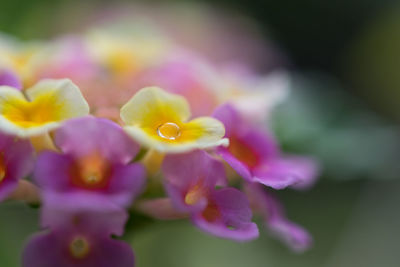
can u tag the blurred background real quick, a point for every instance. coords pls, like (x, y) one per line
(344, 59)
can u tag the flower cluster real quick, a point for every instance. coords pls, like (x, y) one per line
(97, 123)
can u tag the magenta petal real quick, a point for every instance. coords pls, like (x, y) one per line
(94, 210)
(18, 159)
(293, 235)
(51, 249)
(228, 115)
(278, 174)
(177, 197)
(84, 136)
(7, 187)
(43, 250)
(306, 168)
(236, 164)
(50, 165)
(127, 182)
(185, 171)
(235, 216)
(9, 78)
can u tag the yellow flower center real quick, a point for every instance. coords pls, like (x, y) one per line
(79, 247)
(29, 114)
(194, 195)
(91, 171)
(169, 131)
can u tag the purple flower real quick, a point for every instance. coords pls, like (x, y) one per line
(95, 164)
(191, 180)
(79, 237)
(16, 162)
(9, 78)
(254, 154)
(266, 204)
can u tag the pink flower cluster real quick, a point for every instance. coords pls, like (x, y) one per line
(202, 137)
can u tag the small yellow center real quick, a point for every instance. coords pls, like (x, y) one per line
(169, 131)
(92, 178)
(93, 169)
(194, 195)
(79, 247)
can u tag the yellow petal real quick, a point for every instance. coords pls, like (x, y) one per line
(45, 106)
(152, 107)
(200, 133)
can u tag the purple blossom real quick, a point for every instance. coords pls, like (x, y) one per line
(9, 78)
(79, 237)
(191, 180)
(254, 154)
(266, 204)
(16, 162)
(95, 164)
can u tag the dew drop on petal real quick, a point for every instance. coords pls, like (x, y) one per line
(169, 130)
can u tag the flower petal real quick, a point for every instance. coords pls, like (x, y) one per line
(280, 173)
(233, 216)
(152, 106)
(200, 133)
(82, 136)
(9, 78)
(190, 177)
(48, 103)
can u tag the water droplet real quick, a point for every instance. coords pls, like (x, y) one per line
(169, 130)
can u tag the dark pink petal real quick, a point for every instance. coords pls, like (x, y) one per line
(51, 249)
(229, 116)
(126, 183)
(52, 171)
(236, 164)
(283, 172)
(231, 216)
(9, 78)
(7, 187)
(293, 235)
(85, 136)
(195, 170)
(306, 168)
(17, 161)
(83, 212)
(177, 196)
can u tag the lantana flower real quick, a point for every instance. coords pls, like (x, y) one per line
(40, 108)
(94, 165)
(160, 120)
(16, 162)
(79, 237)
(191, 180)
(275, 220)
(254, 154)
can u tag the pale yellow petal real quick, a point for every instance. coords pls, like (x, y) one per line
(200, 133)
(43, 108)
(206, 131)
(65, 96)
(152, 106)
